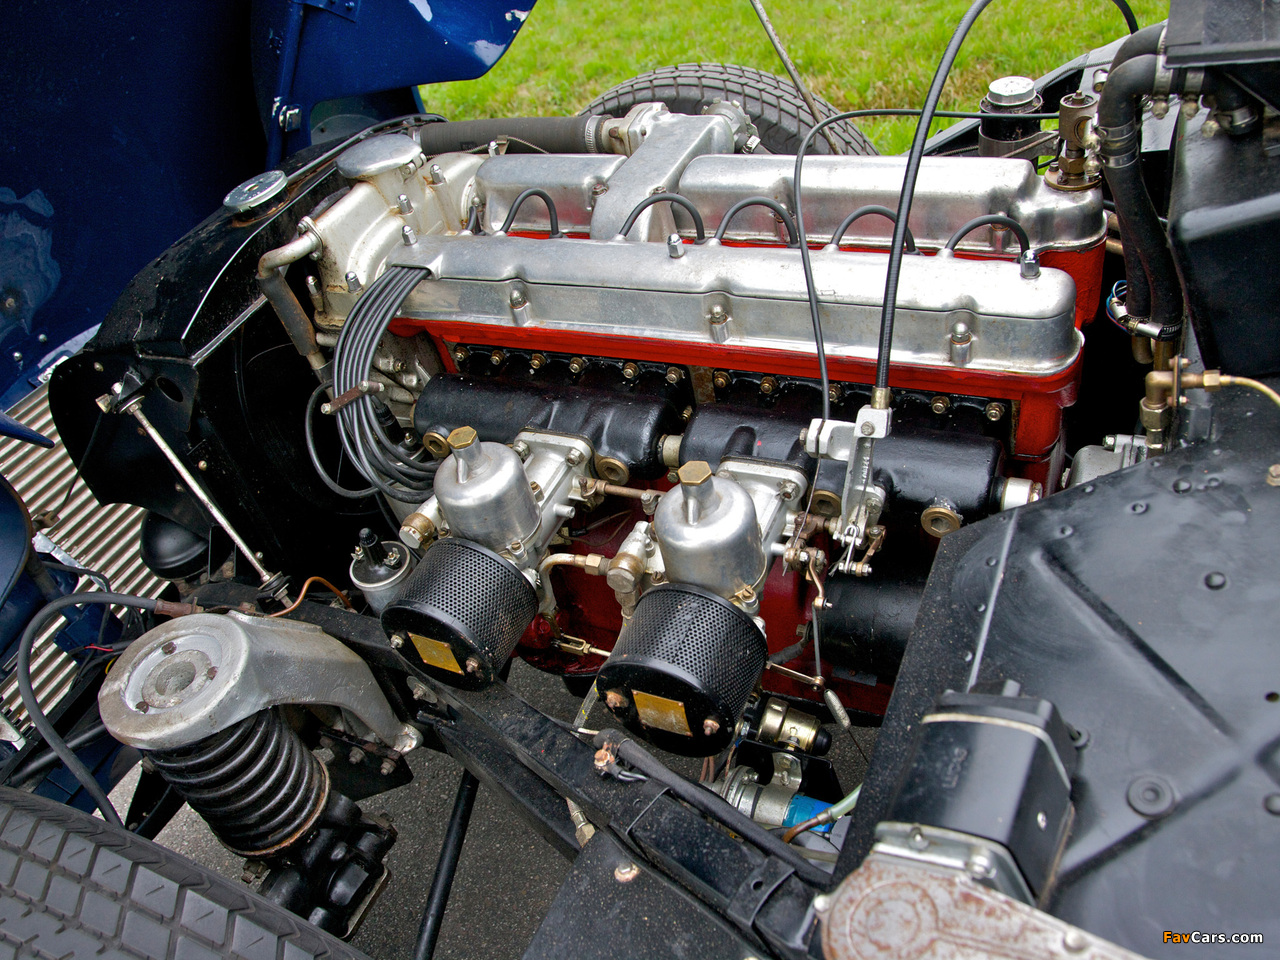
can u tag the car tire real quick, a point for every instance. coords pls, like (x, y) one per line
(772, 102)
(74, 887)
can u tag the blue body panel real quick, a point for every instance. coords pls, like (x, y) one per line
(310, 52)
(123, 125)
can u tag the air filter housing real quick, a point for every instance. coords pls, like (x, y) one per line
(683, 668)
(462, 612)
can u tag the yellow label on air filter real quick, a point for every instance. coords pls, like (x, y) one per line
(436, 654)
(661, 713)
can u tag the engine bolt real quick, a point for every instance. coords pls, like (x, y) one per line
(835, 392)
(518, 299)
(460, 355)
(768, 385)
(397, 640)
(410, 235)
(614, 700)
(717, 314)
(473, 665)
(497, 357)
(388, 767)
(940, 405)
(710, 726)
(202, 466)
(211, 672)
(169, 648)
(538, 361)
(420, 690)
(674, 374)
(630, 371)
(404, 204)
(1273, 475)
(522, 451)
(625, 872)
(721, 380)
(573, 457)
(141, 706)
(577, 365)
(599, 189)
(356, 756)
(994, 411)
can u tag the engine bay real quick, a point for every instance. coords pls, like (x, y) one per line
(620, 403)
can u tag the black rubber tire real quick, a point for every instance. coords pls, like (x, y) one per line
(74, 888)
(772, 102)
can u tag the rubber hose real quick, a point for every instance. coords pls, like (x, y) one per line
(552, 134)
(1139, 225)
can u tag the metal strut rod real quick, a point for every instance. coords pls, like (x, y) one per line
(446, 866)
(133, 407)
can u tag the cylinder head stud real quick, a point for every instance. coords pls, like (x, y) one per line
(720, 380)
(994, 411)
(538, 361)
(710, 726)
(940, 405)
(630, 371)
(768, 385)
(674, 374)
(497, 357)
(577, 365)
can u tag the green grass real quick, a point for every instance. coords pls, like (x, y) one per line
(855, 53)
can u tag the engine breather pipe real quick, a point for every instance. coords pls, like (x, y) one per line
(276, 289)
(133, 407)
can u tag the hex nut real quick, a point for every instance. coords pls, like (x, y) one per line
(695, 473)
(462, 438)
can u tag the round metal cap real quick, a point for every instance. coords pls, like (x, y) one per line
(256, 192)
(1011, 91)
(378, 155)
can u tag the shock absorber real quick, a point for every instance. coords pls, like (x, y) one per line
(256, 784)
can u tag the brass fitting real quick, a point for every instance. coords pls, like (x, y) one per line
(418, 530)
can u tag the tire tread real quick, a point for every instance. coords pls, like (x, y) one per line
(74, 888)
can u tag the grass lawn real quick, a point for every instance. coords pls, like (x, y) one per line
(855, 53)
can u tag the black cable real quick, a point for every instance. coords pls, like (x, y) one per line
(34, 711)
(699, 229)
(869, 210)
(778, 209)
(542, 195)
(309, 434)
(991, 219)
(914, 157)
(46, 760)
(1127, 12)
(446, 866)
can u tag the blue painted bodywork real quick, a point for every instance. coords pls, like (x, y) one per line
(307, 53)
(123, 125)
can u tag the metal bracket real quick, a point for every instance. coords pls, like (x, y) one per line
(198, 675)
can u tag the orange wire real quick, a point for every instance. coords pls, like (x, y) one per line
(306, 585)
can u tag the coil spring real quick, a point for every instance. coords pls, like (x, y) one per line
(255, 783)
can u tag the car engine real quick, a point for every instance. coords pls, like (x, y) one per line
(613, 395)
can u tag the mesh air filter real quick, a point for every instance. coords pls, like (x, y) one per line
(682, 668)
(462, 612)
